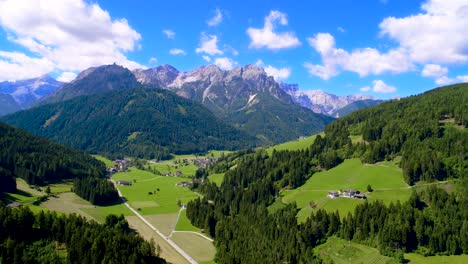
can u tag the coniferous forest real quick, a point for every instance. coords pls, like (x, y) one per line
(52, 238)
(430, 135)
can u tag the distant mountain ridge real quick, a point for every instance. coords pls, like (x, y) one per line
(27, 92)
(245, 96)
(325, 103)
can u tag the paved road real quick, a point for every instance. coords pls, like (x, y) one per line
(174, 245)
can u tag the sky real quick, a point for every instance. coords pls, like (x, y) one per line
(383, 48)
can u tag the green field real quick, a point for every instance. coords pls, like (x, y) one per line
(297, 144)
(339, 251)
(106, 161)
(385, 178)
(196, 246)
(163, 201)
(184, 223)
(216, 178)
(418, 259)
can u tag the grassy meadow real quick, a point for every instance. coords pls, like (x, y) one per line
(340, 251)
(385, 178)
(297, 144)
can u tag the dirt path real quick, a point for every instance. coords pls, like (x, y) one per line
(169, 241)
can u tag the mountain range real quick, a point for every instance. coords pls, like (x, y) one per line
(325, 103)
(25, 92)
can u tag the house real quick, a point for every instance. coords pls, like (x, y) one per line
(350, 193)
(333, 194)
(184, 184)
(14, 205)
(124, 183)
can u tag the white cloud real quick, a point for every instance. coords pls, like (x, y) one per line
(380, 87)
(17, 66)
(436, 35)
(434, 71)
(209, 45)
(206, 58)
(362, 61)
(218, 18)
(66, 77)
(152, 61)
(67, 35)
(462, 78)
(169, 33)
(277, 73)
(365, 89)
(177, 52)
(267, 37)
(225, 63)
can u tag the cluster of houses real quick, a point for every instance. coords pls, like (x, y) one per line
(119, 166)
(124, 183)
(175, 174)
(203, 162)
(348, 193)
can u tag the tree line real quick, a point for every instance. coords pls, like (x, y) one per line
(51, 238)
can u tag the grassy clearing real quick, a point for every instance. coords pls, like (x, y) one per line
(167, 252)
(418, 259)
(69, 203)
(384, 177)
(145, 182)
(196, 246)
(164, 222)
(106, 161)
(61, 187)
(217, 178)
(169, 166)
(184, 223)
(297, 144)
(338, 251)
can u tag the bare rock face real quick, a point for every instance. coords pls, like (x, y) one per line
(320, 101)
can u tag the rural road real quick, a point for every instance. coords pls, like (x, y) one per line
(168, 240)
(192, 232)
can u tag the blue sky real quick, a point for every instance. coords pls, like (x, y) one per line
(385, 48)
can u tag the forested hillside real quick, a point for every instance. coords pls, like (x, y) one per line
(39, 161)
(433, 221)
(51, 238)
(428, 131)
(149, 123)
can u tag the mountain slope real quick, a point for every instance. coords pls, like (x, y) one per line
(27, 92)
(95, 80)
(325, 103)
(245, 96)
(8, 104)
(137, 122)
(37, 160)
(354, 106)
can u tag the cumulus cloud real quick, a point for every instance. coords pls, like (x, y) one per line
(209, 45)
(361, 61)
(66, 77)
(268, 38)
(225, 63)
(66, 35)
(277, 73)
(436, 35)
(434, 71)
(206, 58)
(17, 66)
(380, 87)
(169, 33)
(216, 19)
(177, 52)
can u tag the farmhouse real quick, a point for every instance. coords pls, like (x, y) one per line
(350, 193)
(333, 194)
(360, 196)
(184, 184)
(124, 183)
